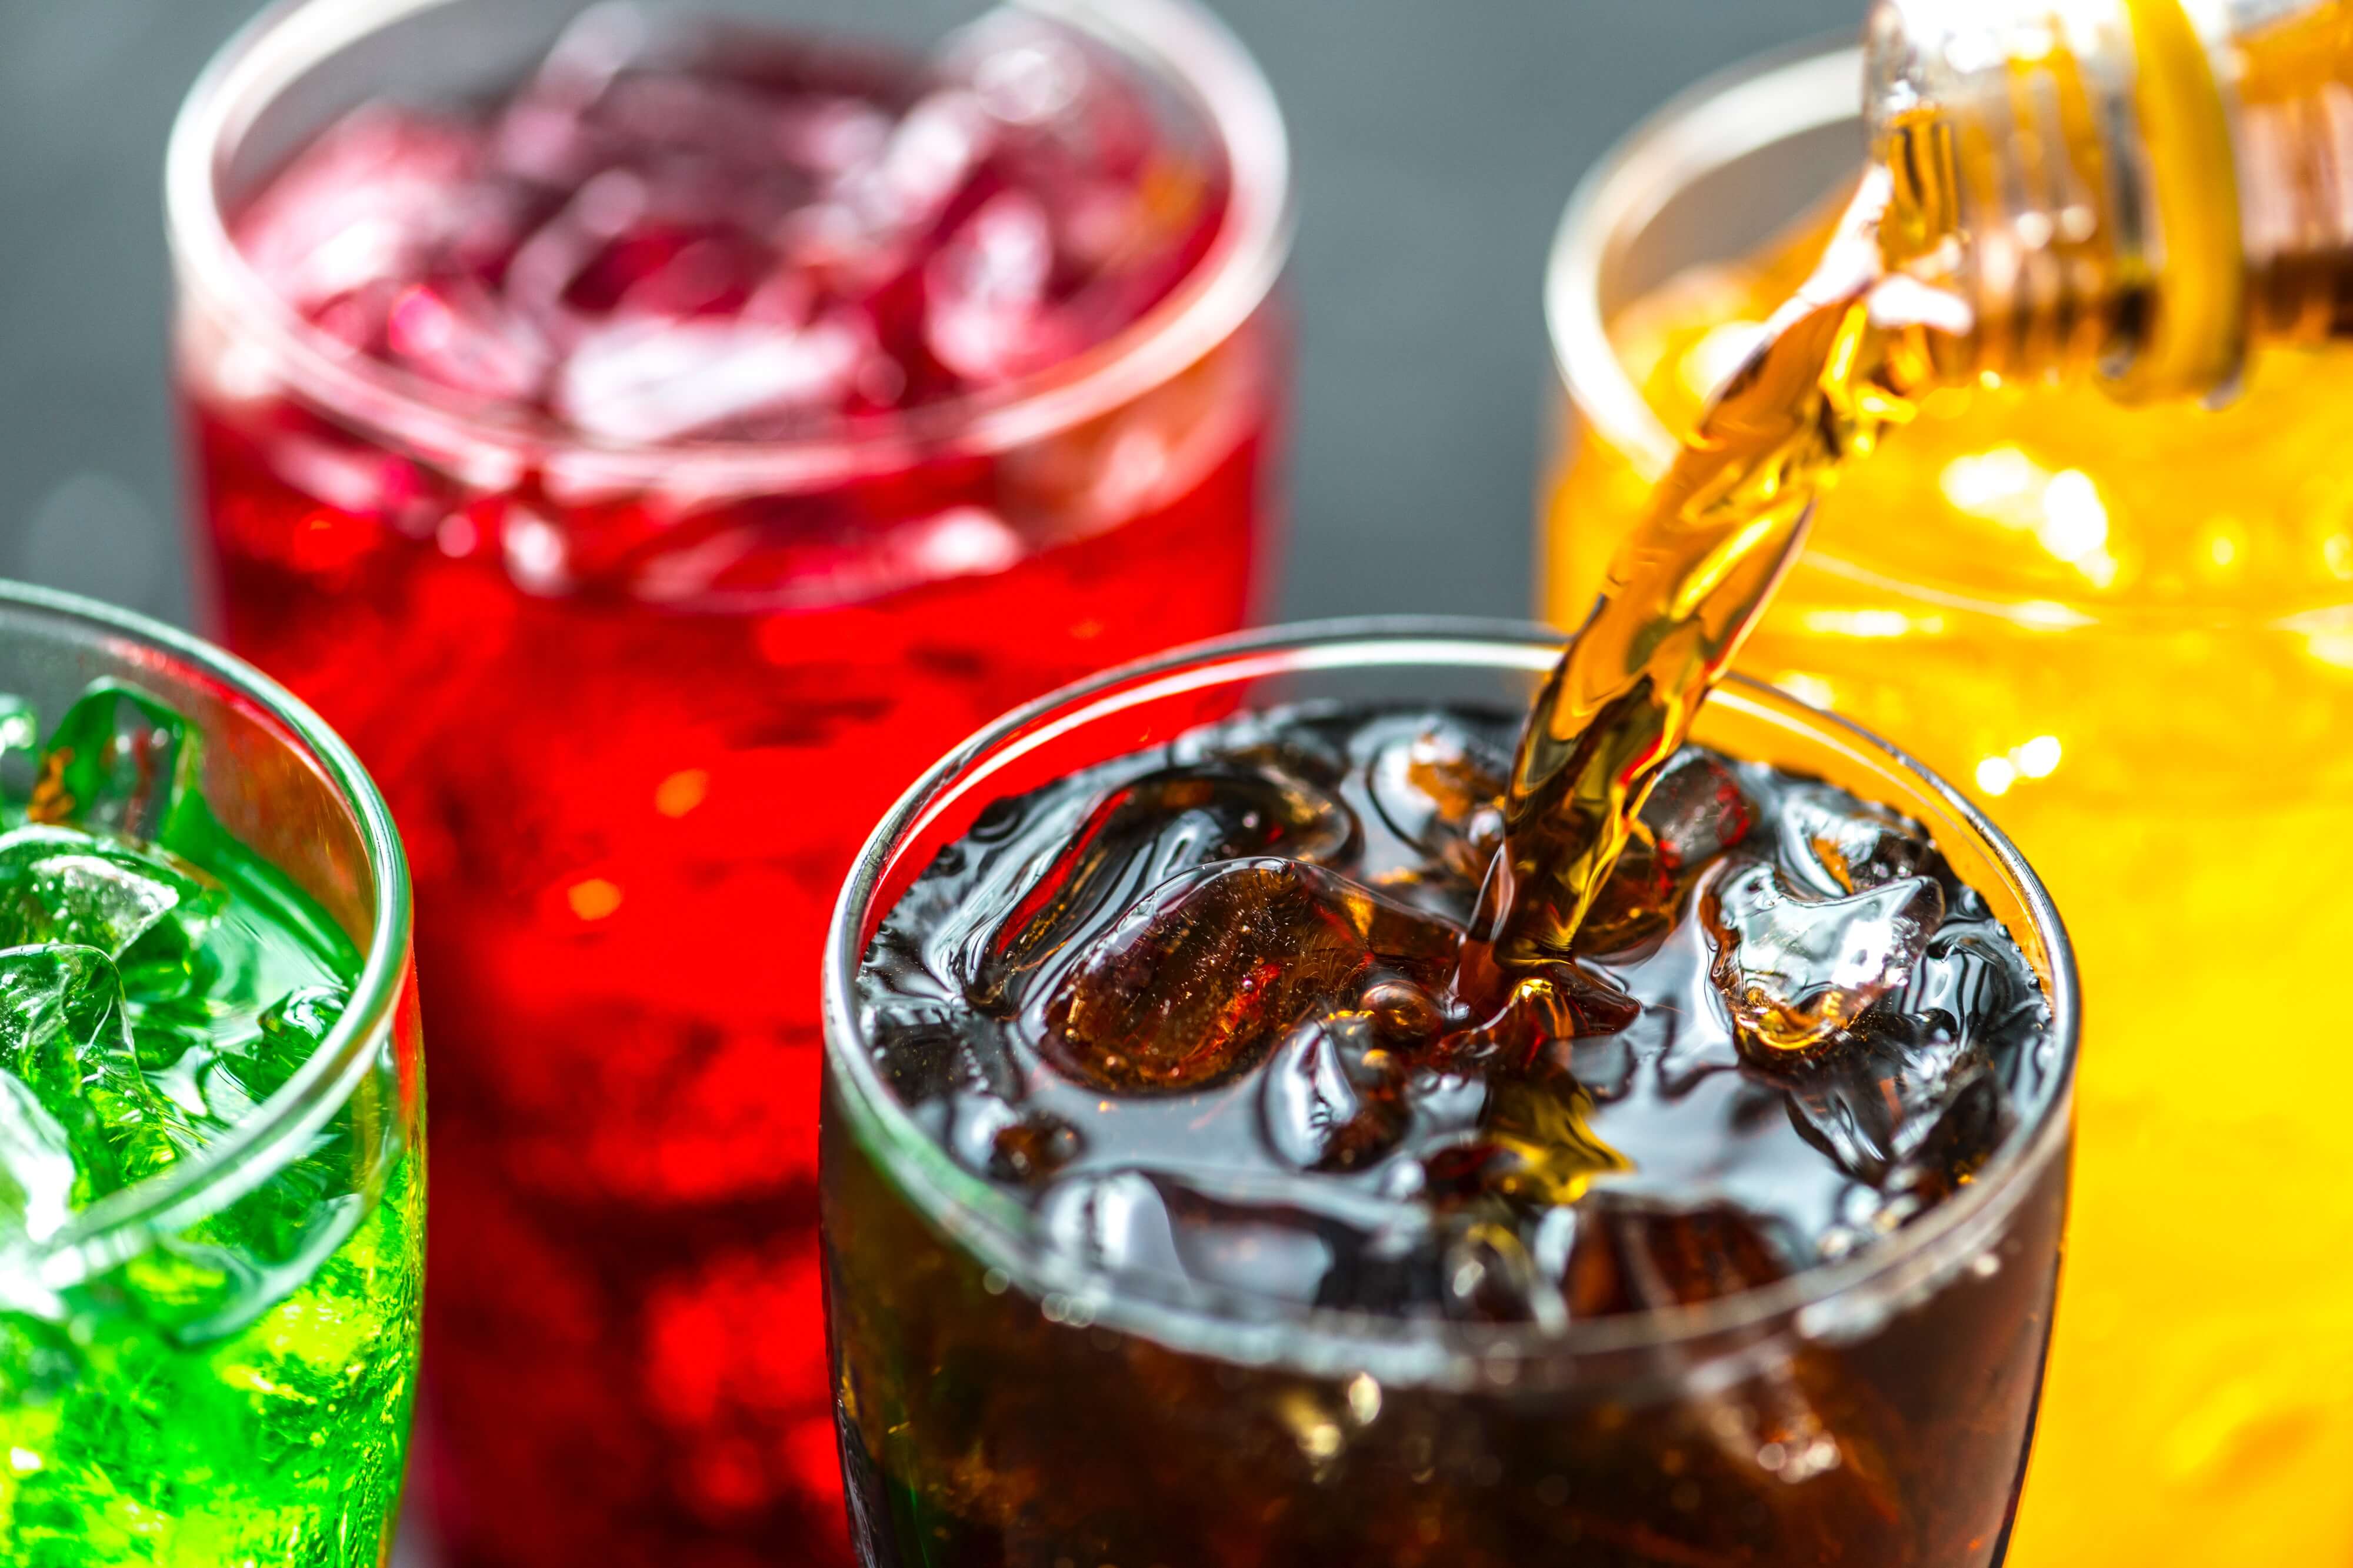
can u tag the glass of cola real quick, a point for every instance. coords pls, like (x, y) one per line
(1191, 1195)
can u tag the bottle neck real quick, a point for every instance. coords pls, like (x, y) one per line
(2082, 172)
(2292, 68)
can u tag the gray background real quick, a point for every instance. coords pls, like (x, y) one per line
(1435, 142)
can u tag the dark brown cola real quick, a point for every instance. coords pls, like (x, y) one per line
(1351, 1246)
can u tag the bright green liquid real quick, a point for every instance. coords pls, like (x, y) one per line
(238, 1392)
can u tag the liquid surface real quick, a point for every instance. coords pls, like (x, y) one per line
(691, 230)
(585, 694)
(240, 1390)
(1204, 1008)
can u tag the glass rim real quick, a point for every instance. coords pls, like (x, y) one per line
(1179, 41)
(123, 1222)
(1001, 1232)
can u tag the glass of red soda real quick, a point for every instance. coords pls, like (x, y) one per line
(652, 433)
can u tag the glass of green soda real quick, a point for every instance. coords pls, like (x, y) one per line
(212, 1171)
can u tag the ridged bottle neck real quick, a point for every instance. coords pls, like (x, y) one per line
(2139, 190)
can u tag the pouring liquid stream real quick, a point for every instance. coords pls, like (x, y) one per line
(1846, 358)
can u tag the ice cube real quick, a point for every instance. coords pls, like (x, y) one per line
(864, 236)
(1277, 742)
(829, 135)
(543, 132)
(455, 332)
(1112, 1220)
(1837, 844)
(293, 1028)
(60, 886)
(368, 202)
(594, 48)
(1561, 1003)
(548, 263)
(121, 762)
(665, 266)
(1066, 120)
(1534, 1144)
(1695, 811)
(1136, 835)
(1795, 970)
(693, 111)
(1404, 1016)
(1023, 70)
(1333, 1098)
(1637, 900)
(1199, 979)
(1264, 1243)
(540, 138)
(1487, 1278)
(653, 380)
(1967, 987)
(1130, 206)
(1632, 1254)
(932, 1054)
(1438, 785)
(1975, 1119)
(984, 289)
(63, 1037)
(359, 486)
(1133, 1221)
(36, 1163)
(249, 1258)
(1859, 1102)
(931, 154)
(1032, 1148)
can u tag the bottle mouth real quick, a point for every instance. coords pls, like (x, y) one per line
(2097, 179)
(102, 640)
(1208, 681)
(294, 47)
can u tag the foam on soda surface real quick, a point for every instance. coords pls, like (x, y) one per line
(1197, 1008)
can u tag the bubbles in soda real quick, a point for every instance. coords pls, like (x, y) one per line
(1207, 1004)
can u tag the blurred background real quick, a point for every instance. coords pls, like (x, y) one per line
(1434, 144)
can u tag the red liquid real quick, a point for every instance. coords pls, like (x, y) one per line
(633, 743)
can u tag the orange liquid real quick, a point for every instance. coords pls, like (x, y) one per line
(2128, 633)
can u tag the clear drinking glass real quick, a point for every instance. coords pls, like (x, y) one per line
(636, 701)
(2126, 630)
(173, 1387)
(1003, 1402)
